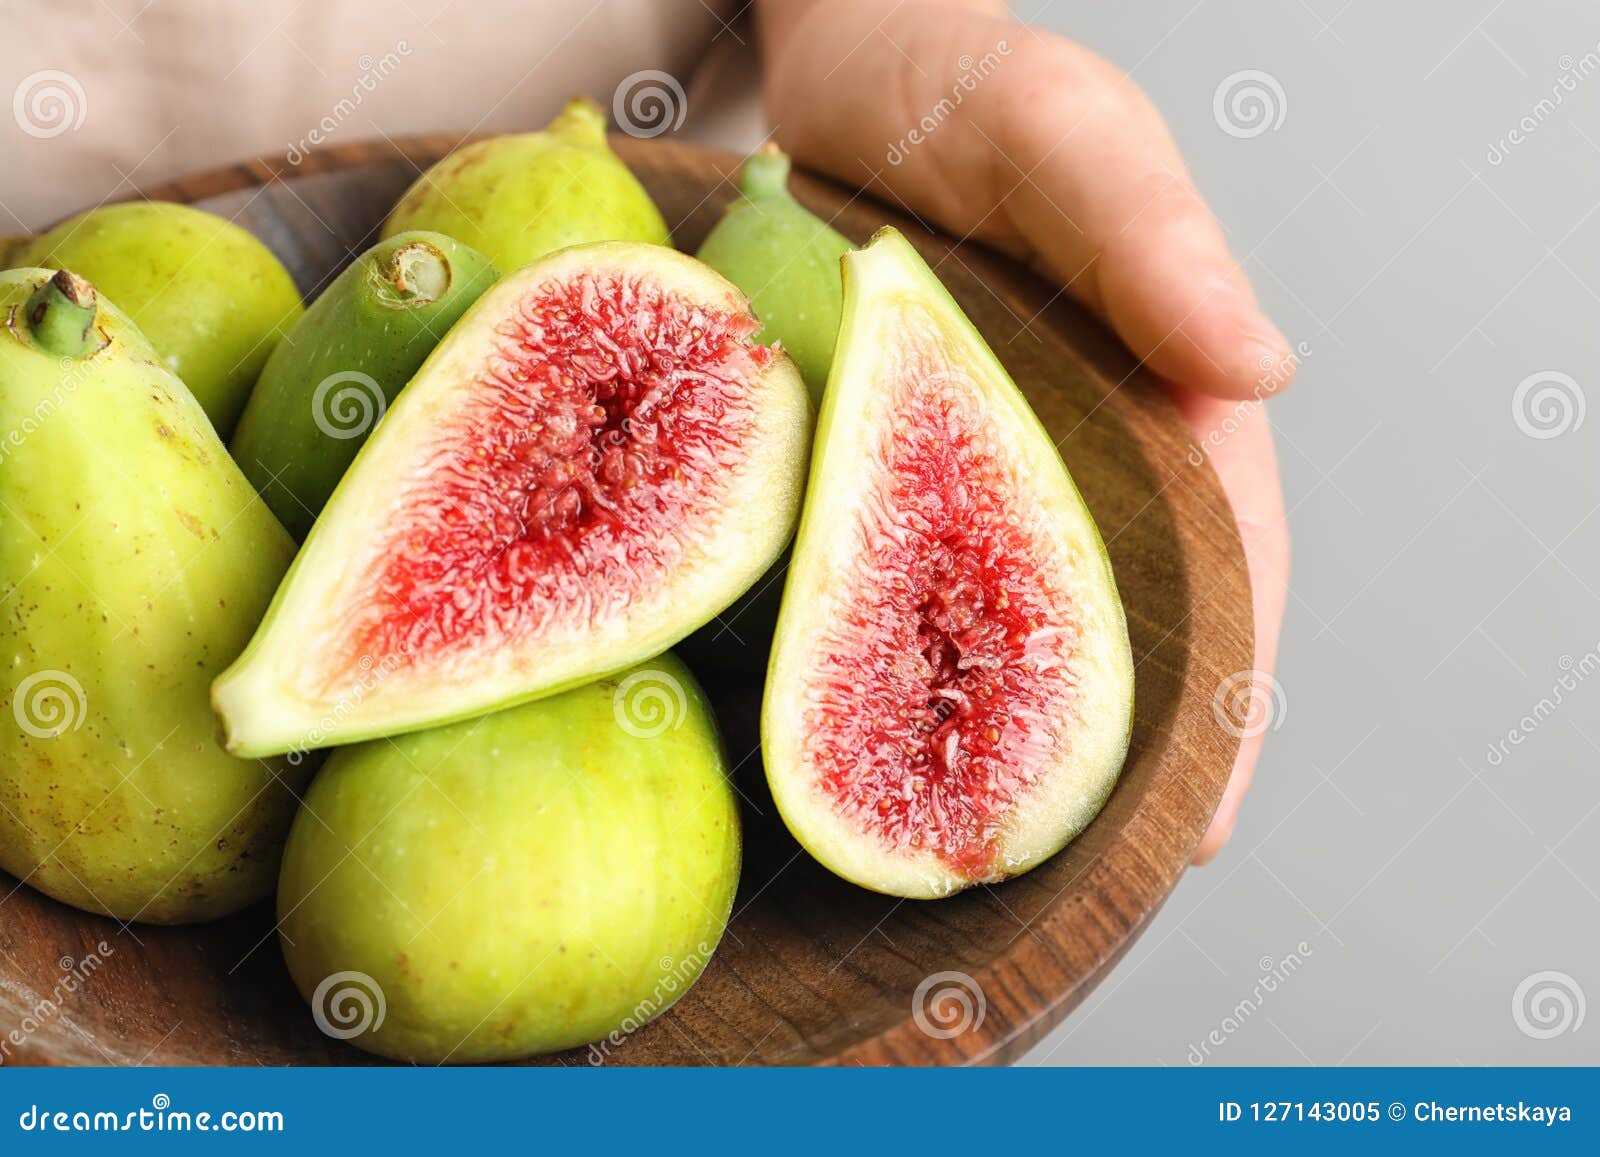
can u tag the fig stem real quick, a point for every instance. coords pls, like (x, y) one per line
(582, 120)
(415, 274)
(765, 173)
(60, 315)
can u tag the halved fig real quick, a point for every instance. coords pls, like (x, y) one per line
(595, 460)
(951, 688)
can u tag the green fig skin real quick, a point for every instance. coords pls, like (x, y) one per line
(786, 260)
(365, 336)
(138, 562)
(211, 298)
(520, 883)
(516, 198)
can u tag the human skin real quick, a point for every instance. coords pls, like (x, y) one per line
(1057, 158)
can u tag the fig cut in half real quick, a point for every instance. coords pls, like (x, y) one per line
(596, 459)
(950, 690)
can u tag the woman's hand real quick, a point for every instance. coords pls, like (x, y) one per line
(1044, 150)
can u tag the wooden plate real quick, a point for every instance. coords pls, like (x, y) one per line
(812, 969)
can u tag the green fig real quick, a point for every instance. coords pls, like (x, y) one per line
(516, 198)
(595, 460)
(211, 298)
(786, 260)
(334, 374)
(136, 560)
(540, 878)
(951, 687)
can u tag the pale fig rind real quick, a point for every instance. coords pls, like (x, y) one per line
(335, 373)
(537, 879)
(516, 198)
(298, 685)
(896, 313)
(137, 561)
(210, 297)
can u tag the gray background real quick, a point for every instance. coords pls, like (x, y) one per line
(1445, 561)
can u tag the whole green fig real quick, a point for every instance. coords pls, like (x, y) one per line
(211, 298)
(786, 259)
(516, 198)
(333, 375)
(136, 561)
(532, 880)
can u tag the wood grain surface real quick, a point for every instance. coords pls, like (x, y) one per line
(812, 969)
